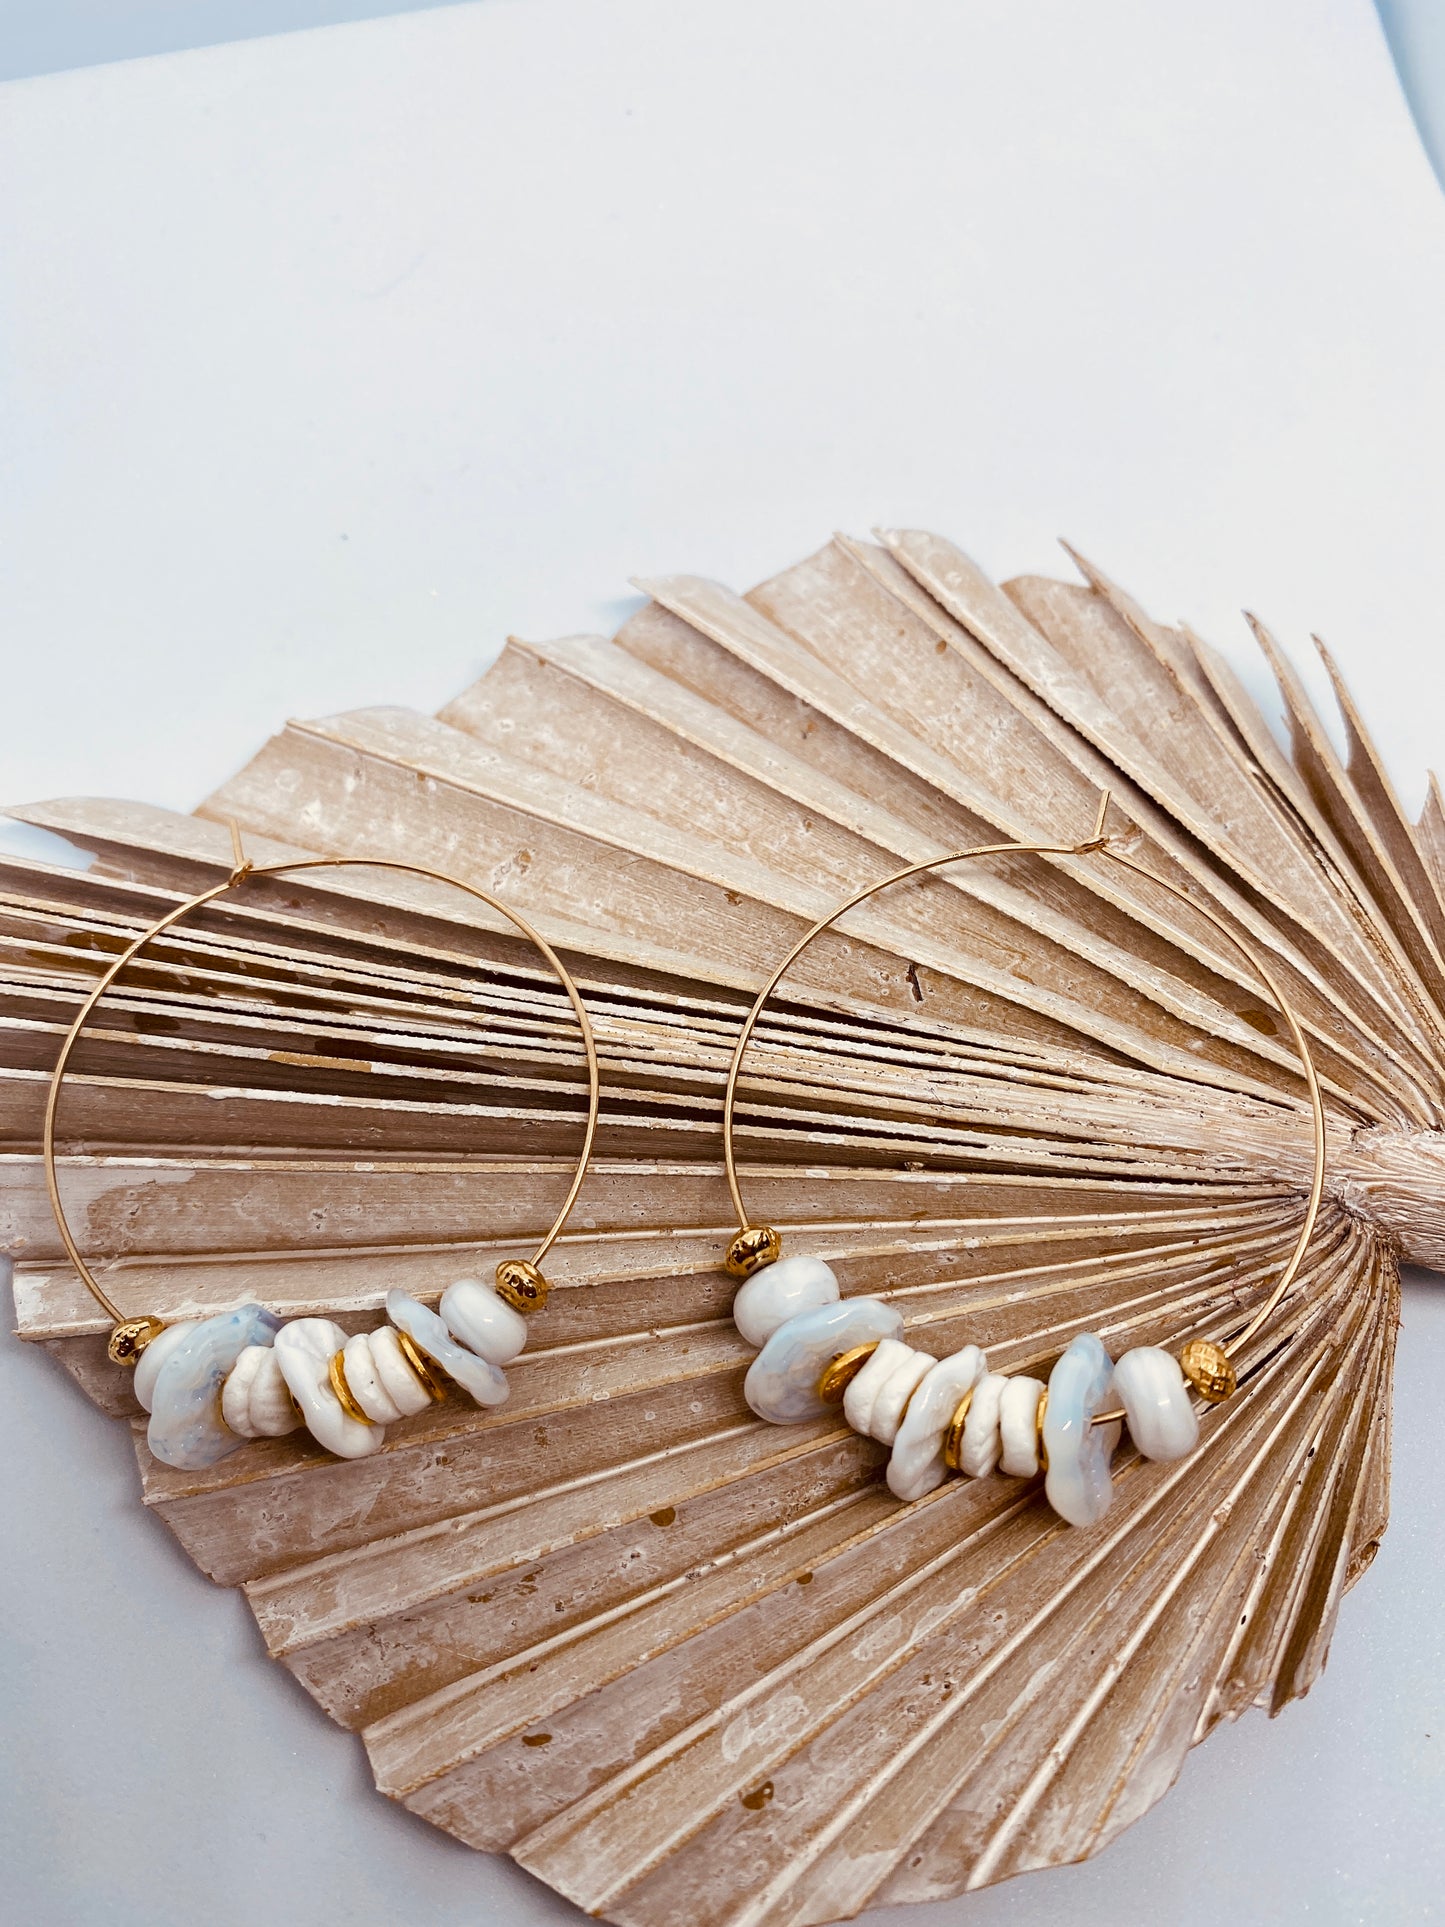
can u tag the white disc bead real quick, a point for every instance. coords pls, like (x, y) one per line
(917, 1464)
(874, 1402)
(394, 1373)
(477, 1317)
(1156, 1401)
(981, 1442)
(1018, 1427)
(255, 1402)
(773, 1295)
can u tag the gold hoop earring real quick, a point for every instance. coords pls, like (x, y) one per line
(817, 1349)
(209, 1385)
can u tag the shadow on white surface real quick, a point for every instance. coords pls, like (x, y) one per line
(60, 34)
(1415, 30)
(49, 36)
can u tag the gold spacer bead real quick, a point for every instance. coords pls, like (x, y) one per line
(1208, 1369)
(1039, 1430)
(345, 1397)
(953, 1437)
(840, 1372)
(521, 1284)
(426, 1369)
(130, 1338)
(750, 1249)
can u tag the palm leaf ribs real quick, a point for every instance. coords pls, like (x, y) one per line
(679, 1663)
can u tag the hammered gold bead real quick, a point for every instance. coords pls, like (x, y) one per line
(840, 1372)
(521, 1284)
(1208, 1369)
(130, 1338)
(750, 1249)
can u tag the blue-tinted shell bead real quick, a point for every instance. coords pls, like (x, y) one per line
(782, 1381)
(487, 1385)
(186, 1428)
(1078, 1484)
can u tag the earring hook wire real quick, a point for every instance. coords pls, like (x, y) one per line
(242, 870)
(1098, 844)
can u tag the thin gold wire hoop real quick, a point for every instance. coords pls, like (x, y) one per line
(1096, 845)
(243, 870)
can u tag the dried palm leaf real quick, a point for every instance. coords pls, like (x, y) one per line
(681, 1664)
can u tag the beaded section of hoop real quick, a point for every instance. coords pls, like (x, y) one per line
(953, 1415)
(204, 1402)
(1073, 1438)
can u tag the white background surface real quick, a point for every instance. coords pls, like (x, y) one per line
(331, 358)
(42, 39)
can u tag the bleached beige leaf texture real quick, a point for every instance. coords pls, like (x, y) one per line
(681, 1664)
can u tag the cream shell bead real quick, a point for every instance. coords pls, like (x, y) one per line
(981, 1442)
(875, 1401)
(477, 1317)
(363, 1381)
(305, 1349)
(1018, 1427)
(255, 1401)
(1156, 1401)
(394, 1373)
(776, 1293)
(917, 1463)
(148, 1369)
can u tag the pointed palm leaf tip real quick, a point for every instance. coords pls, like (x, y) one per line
(681, 1663)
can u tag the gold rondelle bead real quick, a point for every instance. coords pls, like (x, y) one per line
(1208, 1369)
(521, 1284)
(1039, 1430)
(426, 1369)
(953, 1437)
(840, 1372)
(750, 1249)
(345, 1397)
(130, 1338)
